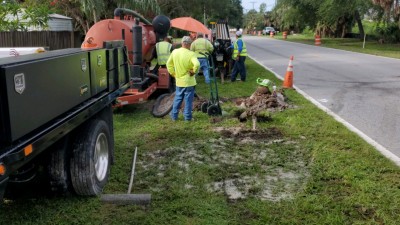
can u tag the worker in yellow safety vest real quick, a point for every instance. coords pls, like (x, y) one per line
(183, 65)
(203, 48)
(162, 52)
(239, 55)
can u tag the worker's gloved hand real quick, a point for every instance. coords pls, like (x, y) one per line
(237, 58)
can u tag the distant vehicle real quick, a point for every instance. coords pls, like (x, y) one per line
(268, 30)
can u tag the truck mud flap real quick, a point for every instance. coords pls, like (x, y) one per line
(3, 185)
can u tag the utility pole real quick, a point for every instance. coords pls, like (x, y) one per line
(204, 16)
(253, 4)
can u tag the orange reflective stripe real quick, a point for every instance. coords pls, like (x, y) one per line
(28, 150)
(2, 169)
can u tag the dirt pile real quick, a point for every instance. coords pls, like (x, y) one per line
(260, 104)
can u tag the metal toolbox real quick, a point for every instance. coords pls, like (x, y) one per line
(98, 71)
(117, 67)
(36, 89)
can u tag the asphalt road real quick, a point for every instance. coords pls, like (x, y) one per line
(361, 91)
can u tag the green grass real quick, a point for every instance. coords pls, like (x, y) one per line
(349, 44)
(315, 171)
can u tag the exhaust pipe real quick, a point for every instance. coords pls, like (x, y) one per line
(137, 43)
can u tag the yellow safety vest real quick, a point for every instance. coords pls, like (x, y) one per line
(163, 49)
(236, 49)
(201, 46)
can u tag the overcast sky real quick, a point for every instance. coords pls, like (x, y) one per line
(249, 4)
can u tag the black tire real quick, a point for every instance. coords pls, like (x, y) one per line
(91, 158)
(58, 167)
(163, 105)
(204, 106)
(214, 110)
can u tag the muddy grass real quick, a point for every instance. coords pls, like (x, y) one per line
(242, 163)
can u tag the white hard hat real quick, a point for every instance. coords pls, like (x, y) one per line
(239, 33)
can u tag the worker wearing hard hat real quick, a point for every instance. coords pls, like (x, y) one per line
(239, 55)
(183, 65)
(203, 48)
(162, 52)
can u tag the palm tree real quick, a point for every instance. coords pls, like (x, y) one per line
(93, 9)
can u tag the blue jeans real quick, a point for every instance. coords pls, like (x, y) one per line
(205, 68)
(187, 94)
(239, 67)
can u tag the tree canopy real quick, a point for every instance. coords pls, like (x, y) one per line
(87, 12)
(19, 18)
(336, 18)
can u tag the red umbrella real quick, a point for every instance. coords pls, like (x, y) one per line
(189, 24)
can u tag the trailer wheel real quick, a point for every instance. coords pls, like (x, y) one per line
(91, 156)
(204, 106)
(163, 105)
(214, 110)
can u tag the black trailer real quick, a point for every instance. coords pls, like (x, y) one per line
(57, 107)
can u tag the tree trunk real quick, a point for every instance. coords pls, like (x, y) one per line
(94, 16)
(343, 31)
(359, 23)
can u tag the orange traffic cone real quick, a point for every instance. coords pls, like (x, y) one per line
(317, 40)
(288, 81)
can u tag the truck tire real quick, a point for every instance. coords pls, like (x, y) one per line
(91, 158)
(58, 167)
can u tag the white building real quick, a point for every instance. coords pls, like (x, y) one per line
(56, 22)
(59, 22)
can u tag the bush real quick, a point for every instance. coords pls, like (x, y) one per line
(308, 31)
(389, 33)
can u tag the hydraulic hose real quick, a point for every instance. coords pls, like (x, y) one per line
(152, 75)
(120, 11)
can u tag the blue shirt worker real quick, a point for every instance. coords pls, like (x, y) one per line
(183, 65)
(239, 55)
(203, 47)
